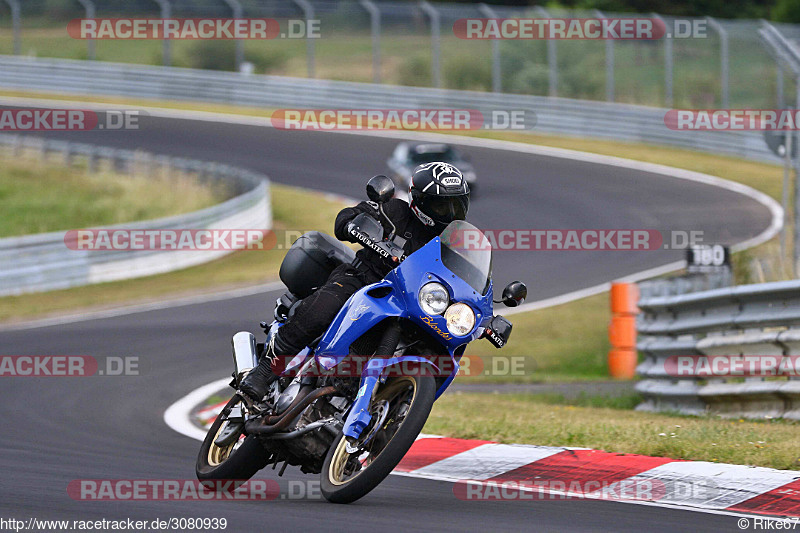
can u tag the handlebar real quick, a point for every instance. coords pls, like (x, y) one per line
(384, 248)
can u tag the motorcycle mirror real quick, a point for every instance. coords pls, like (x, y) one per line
(380, 189)
(514, 294)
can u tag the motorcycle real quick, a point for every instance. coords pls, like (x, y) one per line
(410, 330)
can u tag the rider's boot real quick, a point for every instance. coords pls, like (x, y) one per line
(256, 383)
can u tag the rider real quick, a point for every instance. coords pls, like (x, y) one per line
(438, 195)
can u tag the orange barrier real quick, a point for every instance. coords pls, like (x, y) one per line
(622, 331)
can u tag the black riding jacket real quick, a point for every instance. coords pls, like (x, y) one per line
(409, 227)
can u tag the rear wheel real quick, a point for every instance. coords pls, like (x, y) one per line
(239, 460)
(399, 411)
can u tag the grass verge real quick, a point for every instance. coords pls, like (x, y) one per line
(547, 421)
(236, 269)
(550, 349)
(38, 197)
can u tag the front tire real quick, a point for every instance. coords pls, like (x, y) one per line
(340, 486)
(239, 461)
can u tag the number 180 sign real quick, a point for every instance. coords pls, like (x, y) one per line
(708, 258)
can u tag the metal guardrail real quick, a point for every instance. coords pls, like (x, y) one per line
(784, 50)
(728, 323)
(43, 262)
(578, 118)
(685, 283)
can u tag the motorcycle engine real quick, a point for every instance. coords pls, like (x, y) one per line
(313, 446)
(287, 396)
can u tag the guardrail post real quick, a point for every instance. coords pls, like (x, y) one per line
(609, 63)
(375, 31)
(308, 14)
(433, 14)
(668, 63)
(16, 16)
(552, 57)
(88, 5)
(723, 59)
(16, 145)
(91, 159)
(787, 177)
(238, 13)
(488, 12)
(622, 330)
(67, 154)
(166, 50)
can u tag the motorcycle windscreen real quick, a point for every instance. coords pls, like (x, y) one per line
(467, 253)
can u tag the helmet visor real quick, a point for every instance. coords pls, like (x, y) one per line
(446, 209)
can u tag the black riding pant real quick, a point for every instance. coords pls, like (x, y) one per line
(315, 313)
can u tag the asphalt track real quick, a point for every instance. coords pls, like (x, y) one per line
(56, 430)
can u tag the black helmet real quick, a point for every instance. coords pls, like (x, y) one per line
(439, 194)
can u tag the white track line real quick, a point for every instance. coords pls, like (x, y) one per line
(178, 415)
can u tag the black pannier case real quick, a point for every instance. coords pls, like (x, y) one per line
(310, 261)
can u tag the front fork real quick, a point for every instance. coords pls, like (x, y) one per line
(360, 416)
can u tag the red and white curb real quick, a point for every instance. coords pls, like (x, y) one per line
(493, 468)
(710, 487)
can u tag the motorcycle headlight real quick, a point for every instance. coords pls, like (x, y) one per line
(460, 319)
(433, 298)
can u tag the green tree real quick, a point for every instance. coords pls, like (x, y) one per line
(787, 11)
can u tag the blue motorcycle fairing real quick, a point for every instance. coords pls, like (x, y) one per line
(362, 312)
(359, 416)
(359, 314)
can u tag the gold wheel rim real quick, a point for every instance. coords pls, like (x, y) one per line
(341, 456)
(217, 455)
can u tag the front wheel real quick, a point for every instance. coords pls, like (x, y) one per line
(399, 411)
(239, 460)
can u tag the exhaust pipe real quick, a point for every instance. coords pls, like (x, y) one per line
(244, 354)
(330, 421)
(259, 427)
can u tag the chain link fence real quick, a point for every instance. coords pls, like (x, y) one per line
(413, 44)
